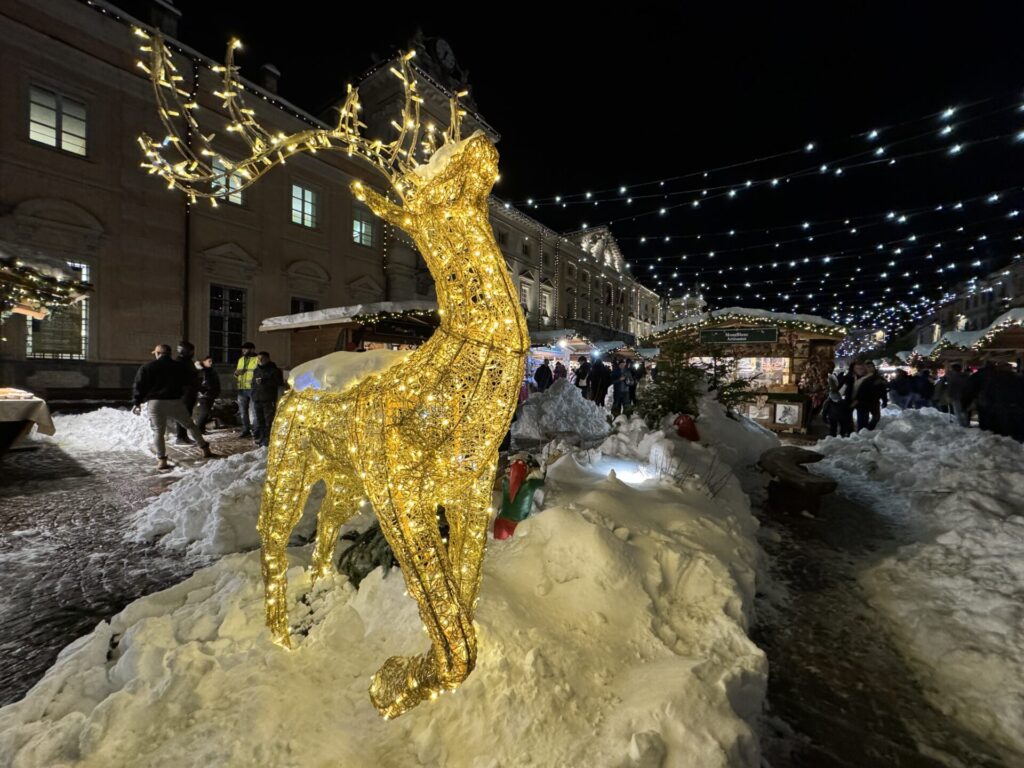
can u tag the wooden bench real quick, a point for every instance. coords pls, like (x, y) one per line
(793, 488)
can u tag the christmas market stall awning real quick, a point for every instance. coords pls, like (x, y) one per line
(32, 282)
(568, 341)
(749, 316)
(356, 314)
(1004, 333)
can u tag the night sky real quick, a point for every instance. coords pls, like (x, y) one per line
(665, 94)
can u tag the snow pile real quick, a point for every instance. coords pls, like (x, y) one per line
(212, 510)
(612, 632)
(101, 431)
(954, 597)
(739, 441)
(340, 370)
(561, 408)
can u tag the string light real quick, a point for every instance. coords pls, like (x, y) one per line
(415, 438)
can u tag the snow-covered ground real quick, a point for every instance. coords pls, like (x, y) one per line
(955, 598)
(100, 431)
(612, 626)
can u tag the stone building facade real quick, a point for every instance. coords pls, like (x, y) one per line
(71, 186)
(975, 303)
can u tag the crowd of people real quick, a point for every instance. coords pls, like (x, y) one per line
(855, 397)
(594, 379)
(182, 392)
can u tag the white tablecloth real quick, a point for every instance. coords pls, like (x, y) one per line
(18, 405)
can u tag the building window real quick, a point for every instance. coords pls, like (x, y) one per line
(502, 238)
(364, 227)
(303, 206)
(571, 272)
(524, 249)
(227, 186)
(545, 303)
(227, 323)
(302, 305)
(524, 294)
(64, 333)
(56, 120)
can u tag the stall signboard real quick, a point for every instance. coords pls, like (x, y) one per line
(739, 335)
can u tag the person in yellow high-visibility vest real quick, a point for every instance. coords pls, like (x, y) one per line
(243, 376)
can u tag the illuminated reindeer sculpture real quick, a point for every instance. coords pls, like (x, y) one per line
(413, 438)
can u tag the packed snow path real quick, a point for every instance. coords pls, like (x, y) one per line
(65, 563)
(839, 693)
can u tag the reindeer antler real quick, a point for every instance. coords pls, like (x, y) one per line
(203, 172)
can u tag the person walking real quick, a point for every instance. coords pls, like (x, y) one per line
(161, 385)
(560, 372)
(600, 380)
(542, 376)
(871, 393)
(922, 388)
(900, 390)
(244, 369)
(956, 382)
(583, 376)
(209, 391)
(186, 355)
(835, 410)
(639, 371)
(622, 380)
(267, 381)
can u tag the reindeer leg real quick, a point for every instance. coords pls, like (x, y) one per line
(410, 526)
(468, 518)
(344, 492)
(291, 472)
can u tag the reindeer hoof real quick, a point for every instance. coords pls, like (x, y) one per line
(402, 683)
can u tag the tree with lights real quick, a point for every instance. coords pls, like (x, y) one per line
(418, 436)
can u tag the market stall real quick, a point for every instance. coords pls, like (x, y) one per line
(380, 325)
(19, 412)
(784, 356)
(1002, 341)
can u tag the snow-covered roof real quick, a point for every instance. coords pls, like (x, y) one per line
(543, 338)
(968, 340)
(745, 313)
(333, 315)
(647, 352)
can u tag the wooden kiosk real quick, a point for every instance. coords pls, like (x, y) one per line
(785, 357)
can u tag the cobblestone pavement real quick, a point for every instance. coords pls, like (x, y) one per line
(65, 563)
(839, 694)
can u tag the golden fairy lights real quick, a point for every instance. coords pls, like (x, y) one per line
(419, 439)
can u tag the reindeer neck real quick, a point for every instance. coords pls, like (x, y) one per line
(475, 295)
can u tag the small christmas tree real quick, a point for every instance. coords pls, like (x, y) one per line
(678, 383)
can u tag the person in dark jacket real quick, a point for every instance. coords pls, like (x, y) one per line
(186, 356)
(560, 372)
(922, 388)
(1004, 395)
(956, 382)
(542, 376)
(878, 396)
(600, 380)
(639, 371)
(583, 376)
(900, 391)
(267, 380)
(209, 391)
(161, 384)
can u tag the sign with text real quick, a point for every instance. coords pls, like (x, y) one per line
(739, 336)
